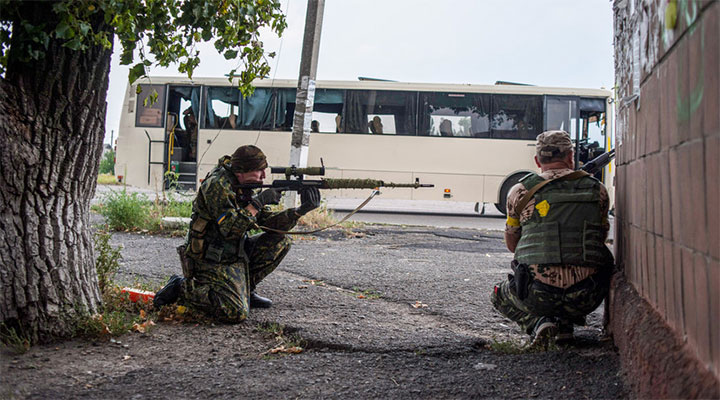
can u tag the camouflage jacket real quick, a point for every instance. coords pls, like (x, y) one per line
(220, 223)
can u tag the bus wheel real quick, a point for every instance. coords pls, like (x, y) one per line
(509, 183)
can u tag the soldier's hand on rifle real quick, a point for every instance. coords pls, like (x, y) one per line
(267, 196)
(309, 200)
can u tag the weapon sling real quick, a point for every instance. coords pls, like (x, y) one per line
(373, 194)
(569, 177)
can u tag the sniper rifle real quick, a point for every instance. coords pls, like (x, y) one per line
(300, 182)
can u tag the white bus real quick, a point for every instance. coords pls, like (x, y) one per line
(473, 142)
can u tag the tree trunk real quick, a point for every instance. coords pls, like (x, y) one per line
(52, 116)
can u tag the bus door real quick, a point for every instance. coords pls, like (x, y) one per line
(583, 118)
(181, 136)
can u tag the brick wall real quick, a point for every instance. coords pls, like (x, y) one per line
(668, 175)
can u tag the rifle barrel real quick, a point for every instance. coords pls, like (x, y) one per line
(331, 183)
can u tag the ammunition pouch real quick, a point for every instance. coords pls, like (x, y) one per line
(521, 279)
(186, 262)
(196, 237)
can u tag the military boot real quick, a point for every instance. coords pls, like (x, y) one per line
(257, 301)
(170, 292)
(544, 332)
(565, 332)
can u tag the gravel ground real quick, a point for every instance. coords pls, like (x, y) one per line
(390, 312)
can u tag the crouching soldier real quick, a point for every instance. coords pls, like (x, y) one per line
(557, 223)
(222, 264)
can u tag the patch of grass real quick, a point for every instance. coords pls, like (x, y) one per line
(286, 343)
(107, 179)
(14, 341)
(517, 347)
(118, 314)
(108, 259)
(370, 294)
(125, 211)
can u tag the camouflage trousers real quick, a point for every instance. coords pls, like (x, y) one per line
(569, 305)
(221, 290)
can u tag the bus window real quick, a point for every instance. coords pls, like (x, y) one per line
(561, 114)
(285, 109)
(327, 110)
(516, 116)
(228, 109)
(455, 114)
(222, 107)
(379, 112)
(150, 114)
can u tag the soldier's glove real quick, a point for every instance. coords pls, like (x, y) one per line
(267, 196)
(309, 200)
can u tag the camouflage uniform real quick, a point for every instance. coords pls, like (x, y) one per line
(227, 264)
(569, 291)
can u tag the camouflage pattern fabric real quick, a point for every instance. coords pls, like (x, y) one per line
(567, 305)
(221, 290)
(227, 264)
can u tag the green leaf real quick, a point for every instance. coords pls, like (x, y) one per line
(64, 31)
(230, 54)
(137, 71)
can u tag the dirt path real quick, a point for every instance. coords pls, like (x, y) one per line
(397, 313)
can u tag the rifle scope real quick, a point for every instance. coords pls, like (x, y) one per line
(299, 172)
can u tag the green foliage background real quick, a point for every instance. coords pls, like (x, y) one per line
(107, 163)
(151, 32)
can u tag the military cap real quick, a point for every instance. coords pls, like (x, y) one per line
(553, 144)
(248, 158)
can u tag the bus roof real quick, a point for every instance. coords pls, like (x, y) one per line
(391, 85)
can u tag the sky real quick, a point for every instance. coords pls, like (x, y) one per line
(565, 43)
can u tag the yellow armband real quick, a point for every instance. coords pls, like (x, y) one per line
(514, 222)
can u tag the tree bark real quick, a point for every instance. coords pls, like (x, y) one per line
(52, 117)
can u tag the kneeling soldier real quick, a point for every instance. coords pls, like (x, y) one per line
(223, 264)
(557, 223)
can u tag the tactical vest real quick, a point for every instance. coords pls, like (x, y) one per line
(566, 225)
(204, 240)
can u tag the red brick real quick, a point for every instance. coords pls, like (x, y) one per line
(689, 299)
(679, 317)
(652, 269)
(680, 57)
(665, 194)
(661, 281)
(651, 105)
(650, 199)
(696, 81)
(641, 122)
(714, 279)
(645, 266)
(642, 194)
(712, 193)
(676, 194)
(668, 91)
(702, 299)
(668, 260)
(697, 222)
(711, 54)
(630, 135)
(664, 89)
(620, 193)
(657, 183)
(686, 195)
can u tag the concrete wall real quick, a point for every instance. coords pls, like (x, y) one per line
(665, 310)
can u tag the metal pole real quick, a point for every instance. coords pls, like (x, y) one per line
(305, 90)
